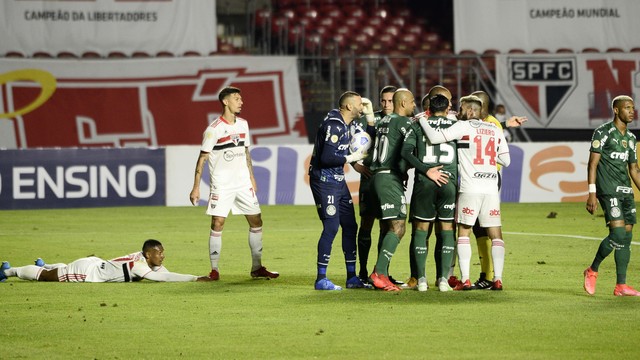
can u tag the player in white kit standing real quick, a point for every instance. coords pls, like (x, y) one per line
(480, 146)
(225, 145)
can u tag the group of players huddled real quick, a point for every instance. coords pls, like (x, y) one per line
(456, 180)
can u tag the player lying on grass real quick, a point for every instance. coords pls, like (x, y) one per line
(146, 264)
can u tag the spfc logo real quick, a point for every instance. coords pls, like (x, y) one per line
(542, 84)
(235, 138)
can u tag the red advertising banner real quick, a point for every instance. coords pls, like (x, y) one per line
(148, 102)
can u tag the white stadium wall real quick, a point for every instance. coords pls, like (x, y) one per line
(528, 25)
(106, 26)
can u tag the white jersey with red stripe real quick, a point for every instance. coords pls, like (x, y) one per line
(227, 145)
(132, 267)
(481, 145)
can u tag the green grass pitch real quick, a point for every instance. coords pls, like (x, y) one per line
(542, 313)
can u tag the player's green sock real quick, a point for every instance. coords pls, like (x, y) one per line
(420, 253)
(616, 236)
(448, 246)
(437, 255)
(622, 256)
(364, 246)
(389, 245)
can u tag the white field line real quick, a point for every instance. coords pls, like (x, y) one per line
(562, 235)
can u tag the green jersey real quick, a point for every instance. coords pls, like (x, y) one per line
(430, 155)
(616, 151)
(387, 154)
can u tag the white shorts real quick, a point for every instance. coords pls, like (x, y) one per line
(484, 207)
(82, 270)
(242, 201)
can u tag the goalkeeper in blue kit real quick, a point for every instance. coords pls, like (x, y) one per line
(330, 192)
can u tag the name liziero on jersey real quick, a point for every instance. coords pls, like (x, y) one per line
(542, 85)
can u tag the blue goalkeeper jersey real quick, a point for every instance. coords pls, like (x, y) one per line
(330, 148)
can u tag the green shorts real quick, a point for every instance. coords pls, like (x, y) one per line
(618, 208)
(389, 193)
(367, 198)
(430, 201)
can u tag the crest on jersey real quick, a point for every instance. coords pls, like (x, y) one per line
(542, 84)
(235, 138)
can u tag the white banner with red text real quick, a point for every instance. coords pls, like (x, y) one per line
(104, 26)
(144, 102)
(528, 25)
(566, 91)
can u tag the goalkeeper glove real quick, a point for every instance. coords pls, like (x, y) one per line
(355, 157)
(367, 110)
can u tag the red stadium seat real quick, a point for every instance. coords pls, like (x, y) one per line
(91, 55)
(517, 51)
(14, 54)
(191, 53)
(564, 51)
(615, 50)
(540, 51)
(117, 55)
(164, 54)
(590, 50)
(635, 49)
(140, 54)
(67, 55)
(42, 55)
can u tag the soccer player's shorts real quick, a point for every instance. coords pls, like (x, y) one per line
(618, 208)
(82, 270)
(332, 199)
(430, 201)
(483, 207)
(368, 202)
(389, 193)
(240, 201)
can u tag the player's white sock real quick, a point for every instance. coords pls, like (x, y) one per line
(497, 252)
(255, 243)
(215, 247)
(53, 266)
(464, 257)
(29, 272)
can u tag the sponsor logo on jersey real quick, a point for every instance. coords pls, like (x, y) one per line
(494, 212)
(624, 190)
(387, 206)
(467, 211)
(619, 155)
(450, 206)
(542, 84)
(595, 144)
(334, 138)
(230, 155)
(331, 210)
(485, 175)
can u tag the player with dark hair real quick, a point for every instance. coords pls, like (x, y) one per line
(612, 161)
(433, 197)
(388, 183)
(146, 264)
(330, 192)
(225, 146)
(367, 207)
(482, 238)
(481, 146)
